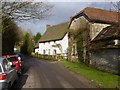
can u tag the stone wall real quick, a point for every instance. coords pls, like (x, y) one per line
(106, 59)
(72, 49)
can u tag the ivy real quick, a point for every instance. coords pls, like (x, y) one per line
(79, 43)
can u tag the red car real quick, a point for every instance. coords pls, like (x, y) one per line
(15, 61)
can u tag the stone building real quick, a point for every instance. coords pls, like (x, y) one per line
(105, 49)
(85, 27)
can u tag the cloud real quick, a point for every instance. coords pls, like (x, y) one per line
(80, 0)
(60, 13)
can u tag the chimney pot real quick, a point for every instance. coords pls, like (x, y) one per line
(47, 26)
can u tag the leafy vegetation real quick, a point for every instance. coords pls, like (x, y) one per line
(11, 34)
(79, 43)
(25, 10)
(48, 57)
(28, 44)
(37, 37)
(16, 11)
(102, 79)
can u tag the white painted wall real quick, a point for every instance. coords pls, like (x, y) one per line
(36, 50)
(49, 48)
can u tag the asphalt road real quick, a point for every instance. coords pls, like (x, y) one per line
(44, 74)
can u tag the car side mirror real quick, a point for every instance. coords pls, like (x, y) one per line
(13, 66)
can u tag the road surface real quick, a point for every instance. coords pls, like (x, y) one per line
(44, 74)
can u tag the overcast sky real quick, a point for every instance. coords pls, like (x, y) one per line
(61, 12)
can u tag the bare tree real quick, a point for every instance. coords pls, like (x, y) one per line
(25, 10)
(16, 11)
(116, 7)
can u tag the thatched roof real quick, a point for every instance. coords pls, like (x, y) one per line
(98, 15)
(36, 45)
(54, 33)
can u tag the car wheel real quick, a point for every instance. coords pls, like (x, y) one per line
(19, 73)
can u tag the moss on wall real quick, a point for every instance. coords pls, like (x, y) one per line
(81, 40)
(79, 43)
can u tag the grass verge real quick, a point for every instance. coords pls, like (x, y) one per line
(102, 79)
(44, 57)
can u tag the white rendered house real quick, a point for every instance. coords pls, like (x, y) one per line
(55, 40)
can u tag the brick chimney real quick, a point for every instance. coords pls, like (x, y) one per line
(47, 26)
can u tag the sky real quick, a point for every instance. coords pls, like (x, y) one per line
(61, 12)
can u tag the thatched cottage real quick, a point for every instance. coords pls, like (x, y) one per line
(55, 40)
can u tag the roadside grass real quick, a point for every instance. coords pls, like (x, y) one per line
(99, 78)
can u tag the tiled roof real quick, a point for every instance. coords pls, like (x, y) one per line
(98, 15)
(110, 32)
(54, 33)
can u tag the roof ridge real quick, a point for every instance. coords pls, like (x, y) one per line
(56, 32)
(60, 23)
(94, 8)
(93, 14)
(51, 26)
(99, 9)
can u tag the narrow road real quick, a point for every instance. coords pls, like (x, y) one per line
(44, 74)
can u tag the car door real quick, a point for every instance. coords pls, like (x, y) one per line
(11, 72)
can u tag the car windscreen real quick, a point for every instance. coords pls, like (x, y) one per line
(11, 59)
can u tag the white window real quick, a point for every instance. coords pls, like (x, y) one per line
(54, 52)
(116, 42)
(74, 50)
(43, 51)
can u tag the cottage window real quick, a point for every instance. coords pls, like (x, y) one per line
(43, 51)
(55, 52)
(116, 42)
(74, 50)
